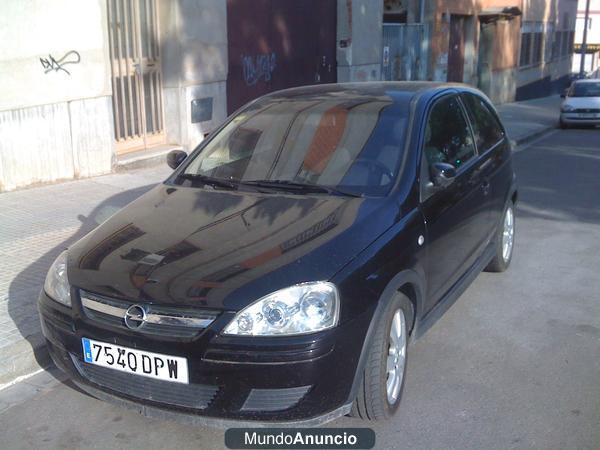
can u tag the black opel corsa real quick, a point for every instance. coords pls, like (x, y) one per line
(278, 274)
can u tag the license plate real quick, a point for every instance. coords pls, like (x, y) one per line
(587, 115)
(138, 362)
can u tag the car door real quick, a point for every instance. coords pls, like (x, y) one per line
(494, 151)
(456, 215)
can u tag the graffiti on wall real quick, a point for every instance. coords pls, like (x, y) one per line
(51, 64)
(257, 67)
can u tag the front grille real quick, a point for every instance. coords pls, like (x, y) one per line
(274, 399)
(587, 110)
(197, 396)
(161, 320)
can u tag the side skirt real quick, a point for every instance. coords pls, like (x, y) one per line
(453, 293)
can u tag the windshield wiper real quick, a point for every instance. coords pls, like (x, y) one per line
(214, 182)
(298, 187)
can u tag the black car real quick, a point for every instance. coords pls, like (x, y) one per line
(278, 274)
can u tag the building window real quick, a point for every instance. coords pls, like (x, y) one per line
(565, 22)
(564, 38)
(394, 11)
(549, 44)
(525, 49)
(567, 41)
(532, 43)
(537, 47)
(556, 44)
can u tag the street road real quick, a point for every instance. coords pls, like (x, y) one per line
(515, 363)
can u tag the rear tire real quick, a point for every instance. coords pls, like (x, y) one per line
(504, 241)
(563, 126)
(379, 392)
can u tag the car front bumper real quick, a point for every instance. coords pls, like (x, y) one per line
(579, 119)
(301, 380)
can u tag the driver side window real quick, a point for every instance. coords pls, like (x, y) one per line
(448, 138)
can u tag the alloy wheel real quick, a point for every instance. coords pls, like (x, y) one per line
(396, 359)
(508, 234)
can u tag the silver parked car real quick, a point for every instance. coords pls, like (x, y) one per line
(581, 104)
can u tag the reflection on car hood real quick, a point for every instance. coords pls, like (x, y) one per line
(223, 249)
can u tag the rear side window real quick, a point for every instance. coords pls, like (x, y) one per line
(486, 127)
(448, 138)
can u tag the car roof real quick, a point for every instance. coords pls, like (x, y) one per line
(366, 89)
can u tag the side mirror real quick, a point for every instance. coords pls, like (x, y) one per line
(175, 158)
(564, 93)
(442, 174)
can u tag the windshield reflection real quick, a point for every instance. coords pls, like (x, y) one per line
(352, 145)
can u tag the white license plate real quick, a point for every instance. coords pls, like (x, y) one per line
(138, 362)
(587, 115)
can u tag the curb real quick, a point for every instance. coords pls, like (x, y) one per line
(534, 136)
(145, 159)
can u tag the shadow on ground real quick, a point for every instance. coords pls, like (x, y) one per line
(23, 291)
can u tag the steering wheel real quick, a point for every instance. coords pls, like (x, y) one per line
(374, 166)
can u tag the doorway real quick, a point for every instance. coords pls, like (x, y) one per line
(456, 48)
(403, 53)
(136, 74)
(278, 44)
(486, 57)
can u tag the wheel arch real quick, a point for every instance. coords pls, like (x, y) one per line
(408, 283)
(513, 191)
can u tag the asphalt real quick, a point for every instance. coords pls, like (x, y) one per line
(515, 363)
(528, 120)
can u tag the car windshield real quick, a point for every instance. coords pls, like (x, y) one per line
(341, 144)
(585, 90)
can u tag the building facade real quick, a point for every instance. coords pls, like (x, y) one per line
(88, 85)
(55, 95)
(592, 56)
(547, 37)
(476, 42)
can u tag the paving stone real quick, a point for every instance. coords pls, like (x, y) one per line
(35, 225)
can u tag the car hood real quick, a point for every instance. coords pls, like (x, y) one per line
(582, 102)
(223, 249)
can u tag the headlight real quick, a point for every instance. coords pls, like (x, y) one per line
(567, 108)
(57, 285)
(304, 308)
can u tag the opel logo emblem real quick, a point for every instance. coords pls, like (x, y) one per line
(135, 317)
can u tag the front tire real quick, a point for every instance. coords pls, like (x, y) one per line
(380, 390)
(505, 237)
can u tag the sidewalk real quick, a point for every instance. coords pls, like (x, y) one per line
(527, 120)
(37, 224)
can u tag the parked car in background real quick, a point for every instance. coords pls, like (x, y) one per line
(280, 272)
(581, 104)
